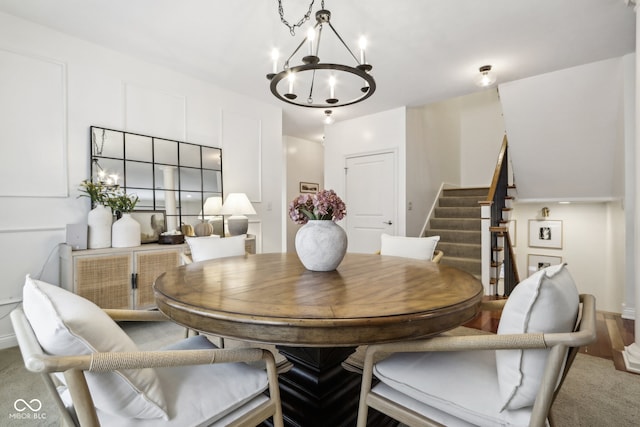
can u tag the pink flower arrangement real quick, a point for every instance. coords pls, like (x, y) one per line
(323, 205)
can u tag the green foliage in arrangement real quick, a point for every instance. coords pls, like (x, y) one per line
(100, 194)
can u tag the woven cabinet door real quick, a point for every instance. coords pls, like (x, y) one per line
(150, 265)
(105, 280)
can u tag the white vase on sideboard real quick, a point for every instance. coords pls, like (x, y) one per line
(99, 221)
(125, 232)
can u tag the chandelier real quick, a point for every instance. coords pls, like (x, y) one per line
(318, 84)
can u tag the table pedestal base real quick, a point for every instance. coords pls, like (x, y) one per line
(318, 392)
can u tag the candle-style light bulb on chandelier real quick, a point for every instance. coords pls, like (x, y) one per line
(318, 84)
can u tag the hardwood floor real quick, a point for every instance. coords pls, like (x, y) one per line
(613, 334)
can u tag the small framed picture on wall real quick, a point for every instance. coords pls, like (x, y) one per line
(545, 234)
(309, 187)
(538, 262)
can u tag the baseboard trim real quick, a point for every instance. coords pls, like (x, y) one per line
(8, 341)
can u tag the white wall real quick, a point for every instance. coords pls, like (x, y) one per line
(481, 133)
(593, 246)
(433, 157)
(305, 163)
(422, 179)
(567, 127)
(466, 133)
(441, 135)
(366, 135)
(106, 88)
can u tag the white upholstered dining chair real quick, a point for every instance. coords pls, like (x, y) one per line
(508, 378)
(423, 248)
(97, 375)
(212, 247)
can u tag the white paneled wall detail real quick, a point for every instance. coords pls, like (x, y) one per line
(150, 111)
(46, 109)
(33, 119)
(242, 145)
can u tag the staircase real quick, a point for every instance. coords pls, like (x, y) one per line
(456, 220)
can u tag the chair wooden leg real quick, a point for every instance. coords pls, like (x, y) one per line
(274, 389)
(65, 416)
(363, 408)
(544, 398)
(81, 397)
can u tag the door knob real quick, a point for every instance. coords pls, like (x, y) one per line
(388, 222)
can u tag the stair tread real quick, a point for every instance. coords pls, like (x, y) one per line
(456, 258)
(471, 245)
(457, 221)
(461, 218)
(448, 230)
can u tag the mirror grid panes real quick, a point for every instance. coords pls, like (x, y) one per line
(172, 176)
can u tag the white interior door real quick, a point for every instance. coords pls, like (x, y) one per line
(371, 200)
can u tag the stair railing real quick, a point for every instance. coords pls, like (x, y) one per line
(499, 271)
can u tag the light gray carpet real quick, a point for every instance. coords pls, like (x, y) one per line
(594, 393)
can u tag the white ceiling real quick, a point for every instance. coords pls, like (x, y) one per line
(422, 51)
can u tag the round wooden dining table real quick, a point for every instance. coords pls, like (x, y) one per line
(317, 319)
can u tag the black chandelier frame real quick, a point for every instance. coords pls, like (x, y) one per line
(311, 63)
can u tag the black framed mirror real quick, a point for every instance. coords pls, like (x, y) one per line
(173, 176)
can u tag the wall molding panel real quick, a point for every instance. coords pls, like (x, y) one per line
(33, 119)
(241, 138)
(31, 229)
(149, 111)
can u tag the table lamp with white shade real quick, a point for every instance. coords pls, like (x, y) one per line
(237, 205)
(211, 212)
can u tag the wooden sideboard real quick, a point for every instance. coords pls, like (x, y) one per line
(250, 244)
(117, 277)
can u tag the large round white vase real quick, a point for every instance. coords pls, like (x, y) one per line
(125, 232)
(99, 221)
(321, 245)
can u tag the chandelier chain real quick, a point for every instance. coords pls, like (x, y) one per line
(305, 18)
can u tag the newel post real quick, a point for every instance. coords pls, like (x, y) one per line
(485, 234)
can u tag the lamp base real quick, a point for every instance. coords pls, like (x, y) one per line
(238, 224)
(218, 225)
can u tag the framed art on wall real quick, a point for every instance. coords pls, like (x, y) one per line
(152, 225)
(545, 234)
(309, 187)
(538, 262)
